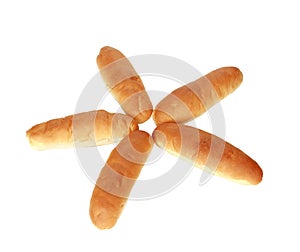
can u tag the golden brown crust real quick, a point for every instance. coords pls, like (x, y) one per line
(105, 208)
(117, 178)
(124, 83)
(193, 99)
(195, 145)
(83, 129)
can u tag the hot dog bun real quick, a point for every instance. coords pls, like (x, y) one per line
(85, 129)
(124, 83)
(117, 178)
(195, 145)
(193, 99)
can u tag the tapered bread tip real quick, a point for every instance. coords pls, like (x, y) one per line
(259, 175)
(107, 48)
(159, 138)
(238, 74)
(102, 219)
(143, 116)
(32, 140)
(141, 146)
(133, 125)
(107, 55)
(230, 75)
(160, 117)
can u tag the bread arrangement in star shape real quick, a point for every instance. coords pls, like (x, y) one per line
(124, 164)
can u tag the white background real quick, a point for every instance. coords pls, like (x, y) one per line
(47, 55)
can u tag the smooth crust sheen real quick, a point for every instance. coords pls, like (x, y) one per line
(193, 99)
(84, 129)
(124, 83)
(117, 178)
(196, 145)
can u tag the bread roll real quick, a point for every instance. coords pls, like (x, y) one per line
(193, 99)
(117, 178)
(207, 150)
(84, 129)
(124, 83)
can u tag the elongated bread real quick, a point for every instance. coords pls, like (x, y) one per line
(117, 178)
(207, 150)
(193, 99)
(84, 129)
(124, 83)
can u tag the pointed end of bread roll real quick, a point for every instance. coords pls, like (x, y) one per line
(134, 99)
(106, 49)
(160, 117)
(45, 135)
(33, 141)
(141, 141)
(225, 80)
(133, 126)
(253, 175)
(168, 136)
(143, 116)
(102, 217)
(256, 176)
(159, 137)
(107, 55)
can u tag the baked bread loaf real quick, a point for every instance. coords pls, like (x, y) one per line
(124, 83)
(193, 99)
(207, 150)
(117, 178)
(83, 129)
